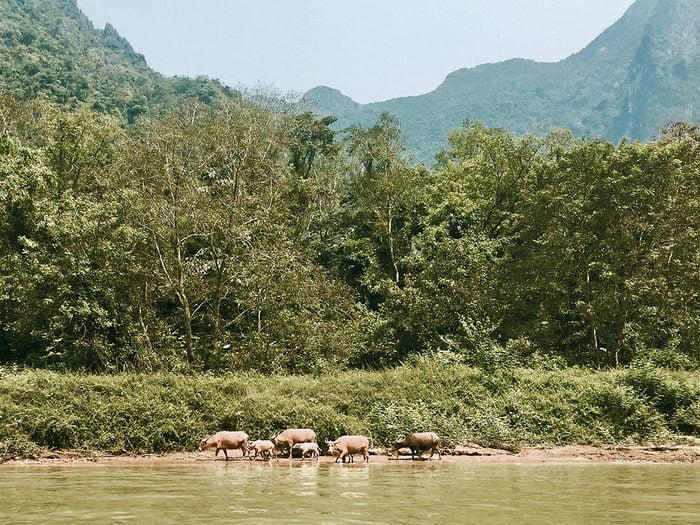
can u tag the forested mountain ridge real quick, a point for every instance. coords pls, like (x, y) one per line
(50, 49)
(638, 75)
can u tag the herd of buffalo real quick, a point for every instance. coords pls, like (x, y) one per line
(304, 440)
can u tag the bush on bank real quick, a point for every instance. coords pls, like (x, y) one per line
(158, 413)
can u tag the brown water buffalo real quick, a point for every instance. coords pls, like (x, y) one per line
(264, 447)
(308, 449)
(292, 436)
(347, 446)
(225, 441)
(419, 442)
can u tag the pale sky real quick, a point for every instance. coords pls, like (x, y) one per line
(369, 49)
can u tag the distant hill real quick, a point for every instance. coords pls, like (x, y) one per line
(49, 48)
(637, 75)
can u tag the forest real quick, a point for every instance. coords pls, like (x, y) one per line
(245, 234)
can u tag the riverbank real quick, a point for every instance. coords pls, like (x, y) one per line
(132, 414)
(474, 454)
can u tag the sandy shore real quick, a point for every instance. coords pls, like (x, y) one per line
(530, 455)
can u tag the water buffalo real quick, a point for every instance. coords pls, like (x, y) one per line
(292, 436)
(308, 449)
(225, 441)
(419, 442)
(347, 446)
(264, 447)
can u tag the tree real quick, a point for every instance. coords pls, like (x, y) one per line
(65, 293)
(310, 138)
(166, 163)
(594, 261)
(383, 206)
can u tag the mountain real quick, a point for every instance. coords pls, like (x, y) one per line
(637, 75)
(50, 49)
(640, 73)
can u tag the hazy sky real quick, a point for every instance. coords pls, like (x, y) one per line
(369, 49)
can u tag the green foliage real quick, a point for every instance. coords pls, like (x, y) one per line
(382, 206)
(664, 391)
(50, 50)
(173, 245)
(163, 226)
(156, 413)
(599, 233)
(170, 224)
(244, 237)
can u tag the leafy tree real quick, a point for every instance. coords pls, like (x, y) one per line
(594, 259)
(310, 138)
(382, 210)
(241, 234)
(65, 293)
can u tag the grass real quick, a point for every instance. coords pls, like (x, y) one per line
(158, 413)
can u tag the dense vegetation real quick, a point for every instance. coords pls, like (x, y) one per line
(638, 75)
(50, 49)
(246, 236)
(156, 413)
(162, 226)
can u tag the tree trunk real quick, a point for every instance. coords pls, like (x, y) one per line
(391, 248)
(184, 302)
(187, 319)
(594, 330)
(217, 300)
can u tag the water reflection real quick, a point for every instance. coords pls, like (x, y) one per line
(309, 492)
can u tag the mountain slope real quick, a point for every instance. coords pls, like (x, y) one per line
(49, 48)
(640, 73)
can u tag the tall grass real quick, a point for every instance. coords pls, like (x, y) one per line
(157, 413)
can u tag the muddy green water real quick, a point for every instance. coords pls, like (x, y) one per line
(283, 492)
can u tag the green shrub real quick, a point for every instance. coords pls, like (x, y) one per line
(505, 408)
(670, 358)
(688, 419)
(661, 389)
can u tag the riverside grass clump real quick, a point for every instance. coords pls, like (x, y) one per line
(159, 413)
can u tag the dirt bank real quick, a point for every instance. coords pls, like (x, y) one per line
(566, 454)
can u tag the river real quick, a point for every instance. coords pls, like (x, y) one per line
(401, 492)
